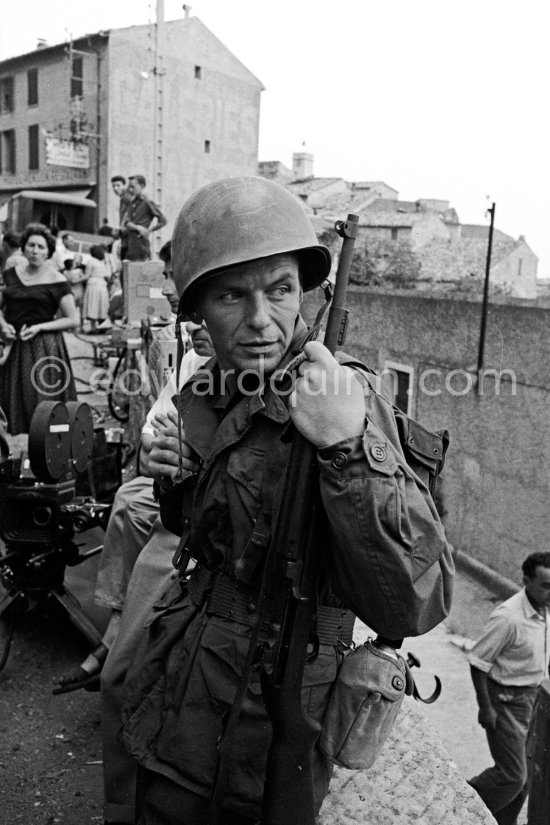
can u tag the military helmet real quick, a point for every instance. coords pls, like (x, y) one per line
(235, 220)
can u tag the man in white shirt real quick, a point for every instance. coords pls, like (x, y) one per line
(62, 251)
(508, 663)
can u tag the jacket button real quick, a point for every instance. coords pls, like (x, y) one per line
(251, 608)
(378, 452)
(339, 460)
(398, 683)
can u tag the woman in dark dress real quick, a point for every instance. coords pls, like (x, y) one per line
(36, 305)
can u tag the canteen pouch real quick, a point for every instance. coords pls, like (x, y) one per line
(363, 706)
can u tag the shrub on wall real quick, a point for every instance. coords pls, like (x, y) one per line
(384, 261)
(379, 261)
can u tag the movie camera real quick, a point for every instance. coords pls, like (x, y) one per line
(75, 473)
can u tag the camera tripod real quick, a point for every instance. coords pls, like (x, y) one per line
(32, 576)
(40, 515)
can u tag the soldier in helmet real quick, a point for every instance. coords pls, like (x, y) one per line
(243, 254)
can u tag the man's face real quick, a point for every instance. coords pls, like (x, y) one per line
(250, 311)
(118, 188)
(200, 339)
(169, 287)
(538, 588)
(134, 188)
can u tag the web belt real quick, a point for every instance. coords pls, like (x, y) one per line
(232, 600)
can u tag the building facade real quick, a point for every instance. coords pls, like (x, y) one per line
(168, 101)
(442, 253)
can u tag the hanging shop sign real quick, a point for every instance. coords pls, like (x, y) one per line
(60, 152)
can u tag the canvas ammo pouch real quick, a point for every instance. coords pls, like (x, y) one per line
(363, 705)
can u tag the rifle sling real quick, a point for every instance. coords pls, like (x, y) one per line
(232, 600)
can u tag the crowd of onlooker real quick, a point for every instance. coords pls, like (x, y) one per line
(54, 281)
(95, 275)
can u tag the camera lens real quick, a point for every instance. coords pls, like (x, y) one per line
(42, 516)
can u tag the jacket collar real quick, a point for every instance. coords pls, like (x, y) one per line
(209, 427)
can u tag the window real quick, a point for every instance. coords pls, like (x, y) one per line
(32, 87)
(7, 151)
(207, 147)
(397, 382)
(76, 77)
(394, 233)
(33, 147)
(198, 72)
(6, 95)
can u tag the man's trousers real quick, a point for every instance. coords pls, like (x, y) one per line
(152, 574)
(503, 788)
(132, 517)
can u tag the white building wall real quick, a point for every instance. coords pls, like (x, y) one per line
(220, 106)
(517, 273)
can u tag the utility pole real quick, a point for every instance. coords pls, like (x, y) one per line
(485, 305)
(158, 125)
(99, 202)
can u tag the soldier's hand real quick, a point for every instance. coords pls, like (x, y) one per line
(487, 717)
(163, 460)
(327, 404)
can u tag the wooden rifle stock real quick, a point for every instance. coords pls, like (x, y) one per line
(295, 559)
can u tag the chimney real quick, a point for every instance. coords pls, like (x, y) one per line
(41, 43)
(186, 10)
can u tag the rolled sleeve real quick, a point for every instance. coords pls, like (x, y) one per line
(156, 213)
(478, 663)
(497, 635)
